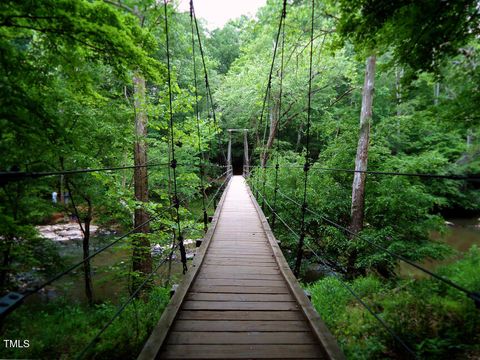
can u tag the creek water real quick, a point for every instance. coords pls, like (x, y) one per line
(461, 234)
(110, 272)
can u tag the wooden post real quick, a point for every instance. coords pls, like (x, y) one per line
(229, 154)
(246, 161)
(358, 186)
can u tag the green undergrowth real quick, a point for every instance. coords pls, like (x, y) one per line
(61, 330)
(435, 320)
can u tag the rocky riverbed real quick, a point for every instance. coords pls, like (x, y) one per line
(69, 232)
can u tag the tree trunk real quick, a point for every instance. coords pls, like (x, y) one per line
(436, 93)
(8, 240)
(62, 190)
(398, 89)
(86, 252)
(86, 239)
(358, 186)
(299, 136)
(142, 258)
(274, 121)
(469, 138)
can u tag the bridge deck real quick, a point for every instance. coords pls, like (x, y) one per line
(240, 300)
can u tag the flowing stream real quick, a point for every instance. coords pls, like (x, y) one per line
(461, 235)
(110, 270)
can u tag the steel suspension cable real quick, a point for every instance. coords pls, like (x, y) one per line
(212, 199)
(122, 308)
(264, 154)
(282, 50)
(207, 83)
(306, 167)
(19, 175)
(475, 296)
(407, 348)
(200, 155)
(267, 93)
(269, 82)
(173, 163)
(472, 178)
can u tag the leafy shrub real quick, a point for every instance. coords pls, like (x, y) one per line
(434, 319)
(61, 330)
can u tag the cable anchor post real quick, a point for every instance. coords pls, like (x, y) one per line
(298, 262)
(183, 253)
(205, 220)
(9, 302)
(475, 296)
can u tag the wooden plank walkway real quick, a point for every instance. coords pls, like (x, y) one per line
(240, 300)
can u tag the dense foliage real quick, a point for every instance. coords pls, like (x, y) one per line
(426, 313)
(62, 329)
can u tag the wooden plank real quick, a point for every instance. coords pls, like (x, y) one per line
(241, 289)
(244, 269)
(240, 236)
(240, 325)
(231, 260)
(239, 297)
(261, 249)
(245, 250)
(240, 315)
(249, 256)
(243, 239)
(241, 338)
(239, 282)
(223, 275)
(244, 245)
(259, 351)
(227, 230)
(246, 257)
(246, 241)
(240, 305)
(221, 264)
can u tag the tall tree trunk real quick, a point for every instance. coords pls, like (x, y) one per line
(436, 93)
(86, 252)
(142, 258)
(274, 121)
(299, 136)
(358, 186)
(398, 89)
(87, 272)
(469, 138)
(398, 95)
